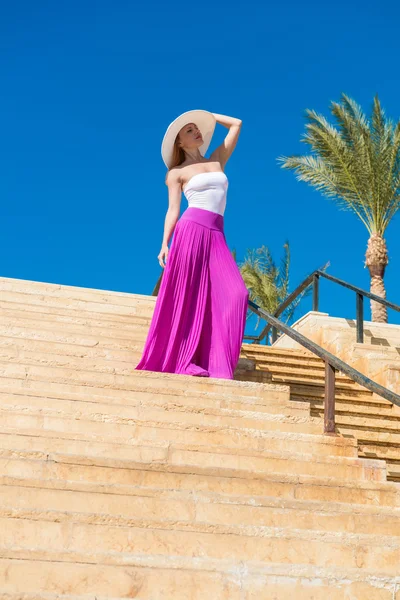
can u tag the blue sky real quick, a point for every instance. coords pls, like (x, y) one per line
(89, 88)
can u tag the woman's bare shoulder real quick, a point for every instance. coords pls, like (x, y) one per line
(173, 175)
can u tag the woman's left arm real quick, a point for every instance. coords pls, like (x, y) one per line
(224, 151)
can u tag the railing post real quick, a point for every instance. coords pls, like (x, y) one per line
(360, 318)
(329, 407)
(274, 335)
(315, 293)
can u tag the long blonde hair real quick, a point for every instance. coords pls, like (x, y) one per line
(178, 156)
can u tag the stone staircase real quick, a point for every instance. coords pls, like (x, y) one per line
(373, 421)
(121, 484)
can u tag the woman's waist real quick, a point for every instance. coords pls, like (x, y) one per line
(208, 218)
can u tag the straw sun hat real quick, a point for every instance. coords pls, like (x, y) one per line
(204, 120)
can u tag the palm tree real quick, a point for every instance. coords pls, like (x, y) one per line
(357, 164)
(268, 284)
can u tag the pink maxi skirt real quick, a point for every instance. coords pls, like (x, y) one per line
(200, 312)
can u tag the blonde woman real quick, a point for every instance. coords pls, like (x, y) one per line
(200, 312)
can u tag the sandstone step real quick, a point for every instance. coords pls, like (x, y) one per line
(184, 457)
(47, 357)
(154, 393)
(51, 359)
(83, 338)
(15, 327)
(356, 409)
(93, 304)
(110, 504)
(78, 350)
(52, 290)
(371, 449)
(77, 542)
(25, 313)
(126, 477)
(49, 596)
(164, 580)
(311, 376)
(269, 398)
(137, 380)
(272, 358)
(294, 380)
(80, 420)
(80, 306)
(276, 351)
(313, 363)
(311, 393)
(371, 422)
(395, 467)
(366, 434)
(390, 453)
(274, 402)
(295, 421)
(238, 440)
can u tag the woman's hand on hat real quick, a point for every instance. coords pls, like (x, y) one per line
(162, 257)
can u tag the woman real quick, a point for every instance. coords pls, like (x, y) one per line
(199, 316)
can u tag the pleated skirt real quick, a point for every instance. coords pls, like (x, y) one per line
(199, 317)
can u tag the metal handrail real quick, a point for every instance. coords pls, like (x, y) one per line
(332, 364)
(282, 307)
(313, 279)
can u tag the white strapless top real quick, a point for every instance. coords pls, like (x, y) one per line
(207, 191)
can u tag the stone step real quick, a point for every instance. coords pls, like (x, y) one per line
(306, 374)
(137, 380)
(109, 364)
(156, 391)
(270, 360)
(301, 380)
(93, 544)
(110, 504)
(378, 423)
(293, 421)
(345, 426)
(357, 396)
(390, 453)
(387, 451)
(25, 313)
(83, 420)
(84, 338)
(127, 382)
(197, 579)
(84, 349)
(347, 403)
(274, 402)
(121, 359)
(29, 458)
(157, 417)
(51, 359)
(96, 305)
(49, 596)
(97, 544)
(357, 409)
(302, 353)
(291, 370)
(52, 290)
(133, 430)
(181, 456)
(15, 328)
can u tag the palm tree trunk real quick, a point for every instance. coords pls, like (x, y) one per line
(376, 259)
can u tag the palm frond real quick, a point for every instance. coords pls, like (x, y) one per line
(268, 283)
(356, 164)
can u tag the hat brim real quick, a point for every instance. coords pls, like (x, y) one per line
(204, 120)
